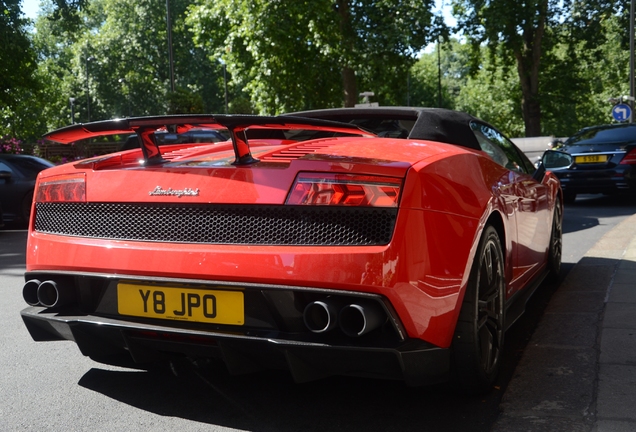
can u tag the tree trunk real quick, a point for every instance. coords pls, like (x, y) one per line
(350, 87)
(348, 43)
(528, 58)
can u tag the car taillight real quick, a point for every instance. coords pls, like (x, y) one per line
(63, 188)
(345, 190)
(630, 158)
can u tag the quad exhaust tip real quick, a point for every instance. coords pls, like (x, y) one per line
(354, 319)
(321, 316)
(30, 292)
(48, 293)
(359, 319)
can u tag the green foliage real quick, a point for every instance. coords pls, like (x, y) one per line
(111, 56)
(524, 33)
(17, 59)
(291, 55)
(495, 97)
(451, 62)
(117, 64)
(17, 68)
(181, 101)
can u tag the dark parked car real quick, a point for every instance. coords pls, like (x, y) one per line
(604, 161)
(17, 181)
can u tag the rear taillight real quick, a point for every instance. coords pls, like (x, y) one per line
(345, 190)
(63, 188)
(630, 158)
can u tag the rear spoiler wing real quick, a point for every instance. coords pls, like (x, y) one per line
(145, 127)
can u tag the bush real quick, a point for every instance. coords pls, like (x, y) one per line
(10, 145)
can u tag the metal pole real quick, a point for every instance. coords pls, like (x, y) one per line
(170, 59)
(408, 88)
(439, 74)
(225, 83)
(88, 91)
(631, 59)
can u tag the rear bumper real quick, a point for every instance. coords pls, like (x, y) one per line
(598, 181)
(102, 338)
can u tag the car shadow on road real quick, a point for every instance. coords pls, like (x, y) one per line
(271, 401)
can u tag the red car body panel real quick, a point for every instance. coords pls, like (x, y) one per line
(449, 193)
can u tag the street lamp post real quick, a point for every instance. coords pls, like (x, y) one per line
(170, 59)
(631, 59)
(439, 73)
(225, 84)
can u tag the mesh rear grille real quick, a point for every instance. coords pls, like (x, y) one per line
(219, 224)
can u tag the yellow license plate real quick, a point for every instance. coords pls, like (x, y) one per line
(590, 159)
(183, 304)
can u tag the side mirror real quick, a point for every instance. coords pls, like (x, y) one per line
(553, 159)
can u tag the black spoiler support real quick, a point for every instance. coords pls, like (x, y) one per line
(237, 125)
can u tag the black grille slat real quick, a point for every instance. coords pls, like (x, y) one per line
(219, 224)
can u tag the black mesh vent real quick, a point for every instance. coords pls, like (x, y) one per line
(219, 224)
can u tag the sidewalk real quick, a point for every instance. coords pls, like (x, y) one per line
(578, 372)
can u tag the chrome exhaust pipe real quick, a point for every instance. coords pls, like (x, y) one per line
(358, 319)
(50, 294)
(321, 316)
(30, 292)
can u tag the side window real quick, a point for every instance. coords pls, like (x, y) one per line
(501, 149)
(5, 167)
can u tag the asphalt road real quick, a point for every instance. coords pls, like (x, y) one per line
(50, 386)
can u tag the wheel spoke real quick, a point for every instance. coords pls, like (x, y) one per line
(489, 319)
(489, 350)
(488, 263)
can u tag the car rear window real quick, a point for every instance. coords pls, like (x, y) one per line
(604, 136)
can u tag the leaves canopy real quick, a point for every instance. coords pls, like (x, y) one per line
(17, 62)
(522, 32)
(306, 54)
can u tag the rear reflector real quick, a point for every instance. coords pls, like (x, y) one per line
(345, 190)
(64, 188)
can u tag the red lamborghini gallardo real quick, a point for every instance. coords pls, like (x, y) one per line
(389, 242)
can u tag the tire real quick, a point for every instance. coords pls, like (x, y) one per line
(555, 250)
(569, 197)
(478, 341)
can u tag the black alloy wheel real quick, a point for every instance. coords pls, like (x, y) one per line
(479, 335)
(556, 242)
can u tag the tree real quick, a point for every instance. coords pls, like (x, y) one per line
(116, 63)
(522, 30)
(17, 64)
(445, 68)
(314, 53)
